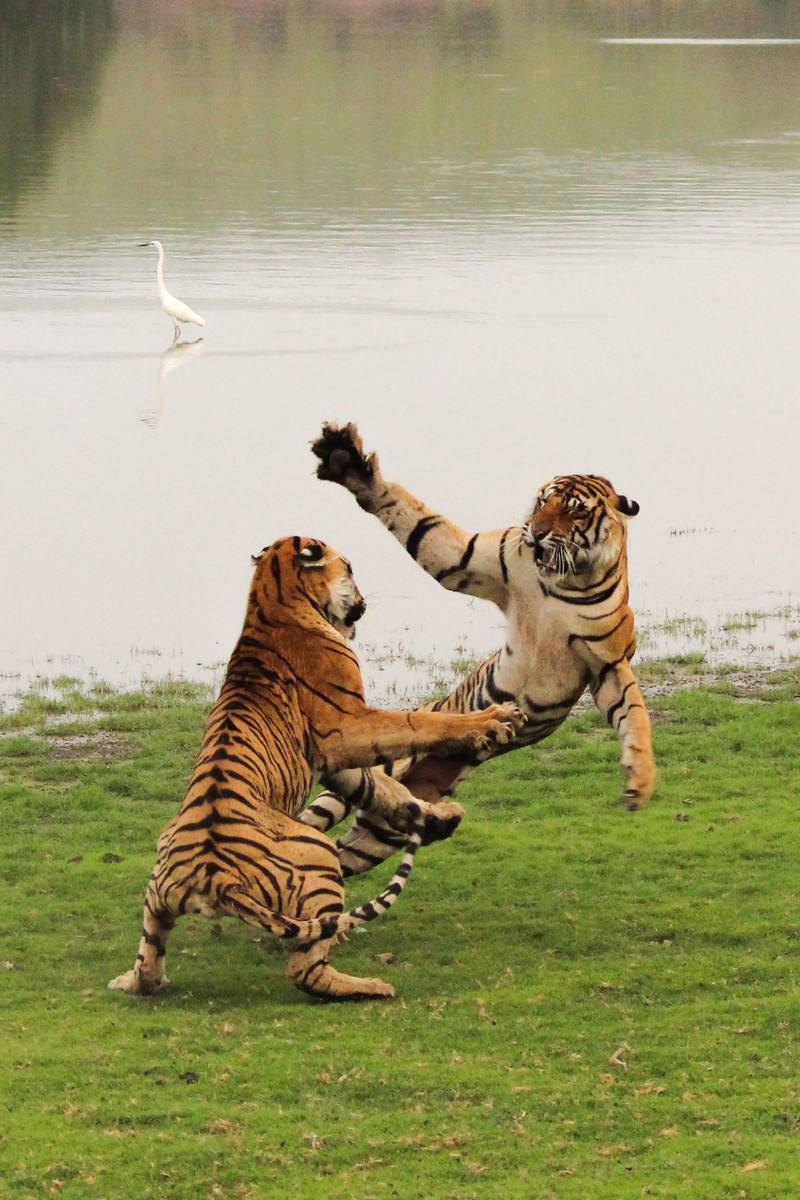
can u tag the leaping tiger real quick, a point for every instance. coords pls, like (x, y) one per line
(291, 711)
(560, 578)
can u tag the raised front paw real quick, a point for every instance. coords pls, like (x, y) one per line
(342, 458)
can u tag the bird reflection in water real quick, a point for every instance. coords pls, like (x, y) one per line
(175, 356)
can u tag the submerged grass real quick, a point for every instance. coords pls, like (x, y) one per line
(593, 1004)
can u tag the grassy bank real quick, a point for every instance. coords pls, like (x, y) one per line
(592, 1004)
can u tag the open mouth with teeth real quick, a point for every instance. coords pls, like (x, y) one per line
(554, 558)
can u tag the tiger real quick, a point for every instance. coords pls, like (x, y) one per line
(560, 579)
(291, 711)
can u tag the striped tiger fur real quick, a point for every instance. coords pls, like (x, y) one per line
(291, 711)
(560, 578)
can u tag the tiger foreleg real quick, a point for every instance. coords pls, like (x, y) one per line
(462, 562)
(637, 761)
(618, 696)
(147, 976)
(391, 805)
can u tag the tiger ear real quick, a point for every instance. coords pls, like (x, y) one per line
(628, 508)
(311, 556)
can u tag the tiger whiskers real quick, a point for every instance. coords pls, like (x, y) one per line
(563, 559)
(520, 535)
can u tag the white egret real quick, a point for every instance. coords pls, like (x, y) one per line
(175, 309)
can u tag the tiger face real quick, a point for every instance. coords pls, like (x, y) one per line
(304, 569)
(577, 526)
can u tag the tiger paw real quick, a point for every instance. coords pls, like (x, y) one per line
(440, 821)
(632, 800)
(329, 984)
(369, 989)
(502, 723)
(136, 983)
(342, 458)
(635, 798)
(641, 785)
(129, 982)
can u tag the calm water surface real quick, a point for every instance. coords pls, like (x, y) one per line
(507, 242)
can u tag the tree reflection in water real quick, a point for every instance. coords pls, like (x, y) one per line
(51, 56)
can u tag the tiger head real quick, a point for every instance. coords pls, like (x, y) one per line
(298, 571)
(577, 526)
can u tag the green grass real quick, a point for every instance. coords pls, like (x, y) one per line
(592, 1004)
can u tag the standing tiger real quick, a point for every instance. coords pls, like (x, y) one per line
(561, 580)
(291, 711)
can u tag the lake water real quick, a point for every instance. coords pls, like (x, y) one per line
(509, 241)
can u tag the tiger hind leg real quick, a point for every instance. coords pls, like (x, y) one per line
(310, 971)
(387, 810)
(147, 976)
(372, 838)
(308, 967)
(320, 894)
(327, 810)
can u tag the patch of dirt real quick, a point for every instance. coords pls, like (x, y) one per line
(744, 681)
(88, 746)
